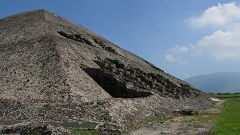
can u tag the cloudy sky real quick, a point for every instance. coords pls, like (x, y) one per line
(184, 38)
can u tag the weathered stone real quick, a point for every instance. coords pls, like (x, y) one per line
(53, 70)
(33, 128)
(186, 112)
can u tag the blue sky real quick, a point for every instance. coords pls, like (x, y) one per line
(185, 38)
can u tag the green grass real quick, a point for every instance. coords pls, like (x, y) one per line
(225, 95)
(159, 118)
(228, 122)
(199, 119)
(136, 122)
(80, 131)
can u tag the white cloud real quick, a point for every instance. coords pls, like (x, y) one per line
(219, 15)
(223, 44)
(182, 49)
(179, 49)
(171, 58)
(173, 52)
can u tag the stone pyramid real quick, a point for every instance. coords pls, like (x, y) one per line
(54, 70)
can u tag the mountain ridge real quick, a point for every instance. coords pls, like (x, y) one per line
(217, 82)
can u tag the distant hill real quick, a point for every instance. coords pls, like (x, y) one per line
(217, 82)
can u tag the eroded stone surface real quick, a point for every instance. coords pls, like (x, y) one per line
(53, 70)
(34, 128)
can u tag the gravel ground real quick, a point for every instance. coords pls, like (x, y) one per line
(182, 125)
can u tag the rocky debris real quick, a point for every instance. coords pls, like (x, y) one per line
(94, 42)
(75, 37)
(33, 128)
(109, 128)
(135, 83)
(186, 112)
(55, 128)
(115, 87)
(103, 127)
(183, 124)
(54, 70)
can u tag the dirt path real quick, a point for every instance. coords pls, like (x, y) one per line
(184, 125)
(176, 126)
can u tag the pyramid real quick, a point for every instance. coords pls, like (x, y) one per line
(54, 70)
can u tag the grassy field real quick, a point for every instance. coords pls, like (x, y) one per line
(225, 95)
(228, 122)
(197, 120)
(80, 131)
